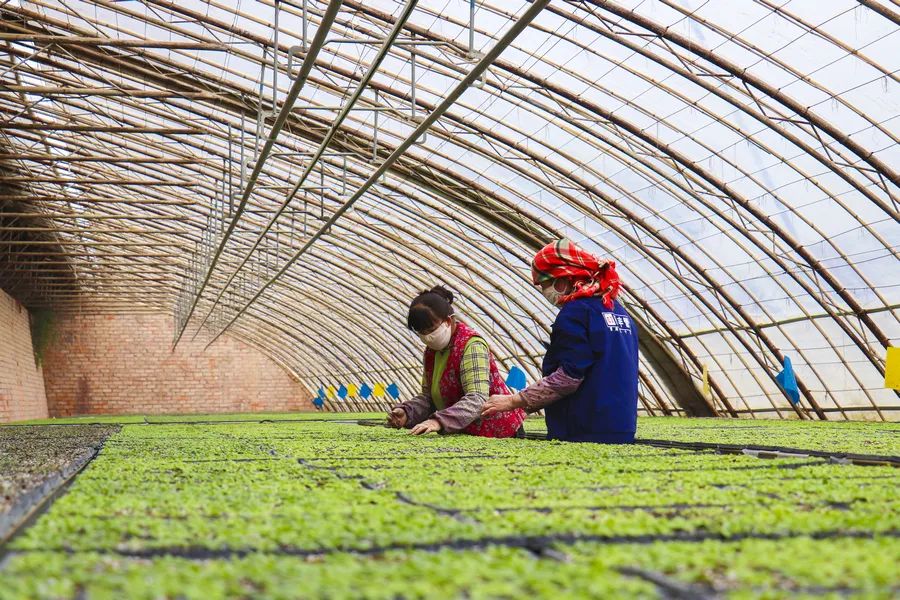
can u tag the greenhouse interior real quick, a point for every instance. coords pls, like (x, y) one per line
(399, 299)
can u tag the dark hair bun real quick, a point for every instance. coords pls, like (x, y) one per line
(429, 307)
(443, 293)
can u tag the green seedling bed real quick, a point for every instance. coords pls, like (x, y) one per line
(288, 509)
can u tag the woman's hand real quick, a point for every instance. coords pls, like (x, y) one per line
(500, 403)
(396, 418)
(426, 427)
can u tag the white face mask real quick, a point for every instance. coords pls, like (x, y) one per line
(551, 295)
(438, 339)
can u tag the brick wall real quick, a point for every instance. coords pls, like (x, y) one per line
(120, 364)
(21, 381)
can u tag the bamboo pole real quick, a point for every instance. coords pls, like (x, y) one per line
(102, 129)
(46, 90)
(92, 217)
(112, 160)
(88, 244)
(89, 229)
(74, 40)
(95, 181)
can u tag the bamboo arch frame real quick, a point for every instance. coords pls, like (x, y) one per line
(190, 113)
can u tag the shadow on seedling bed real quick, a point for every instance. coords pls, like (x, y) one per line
(670, 588)
(759, 451)
(535, 544)
(762, 451)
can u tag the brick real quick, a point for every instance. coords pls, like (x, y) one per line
(22, 393)
(102, 364)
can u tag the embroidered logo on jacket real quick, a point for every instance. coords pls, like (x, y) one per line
(616, 322)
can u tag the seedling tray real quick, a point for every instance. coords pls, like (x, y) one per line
(324, 509)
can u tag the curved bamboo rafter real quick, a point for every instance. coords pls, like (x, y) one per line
(76, 90)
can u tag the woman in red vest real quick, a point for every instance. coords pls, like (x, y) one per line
(460, 374)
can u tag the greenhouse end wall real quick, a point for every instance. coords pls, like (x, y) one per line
(124, 364)
(21, 380)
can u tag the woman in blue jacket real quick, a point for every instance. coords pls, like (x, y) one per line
(590, 372)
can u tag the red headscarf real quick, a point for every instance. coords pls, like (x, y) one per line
(590, 275)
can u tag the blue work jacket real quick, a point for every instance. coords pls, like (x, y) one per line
(600, 345)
